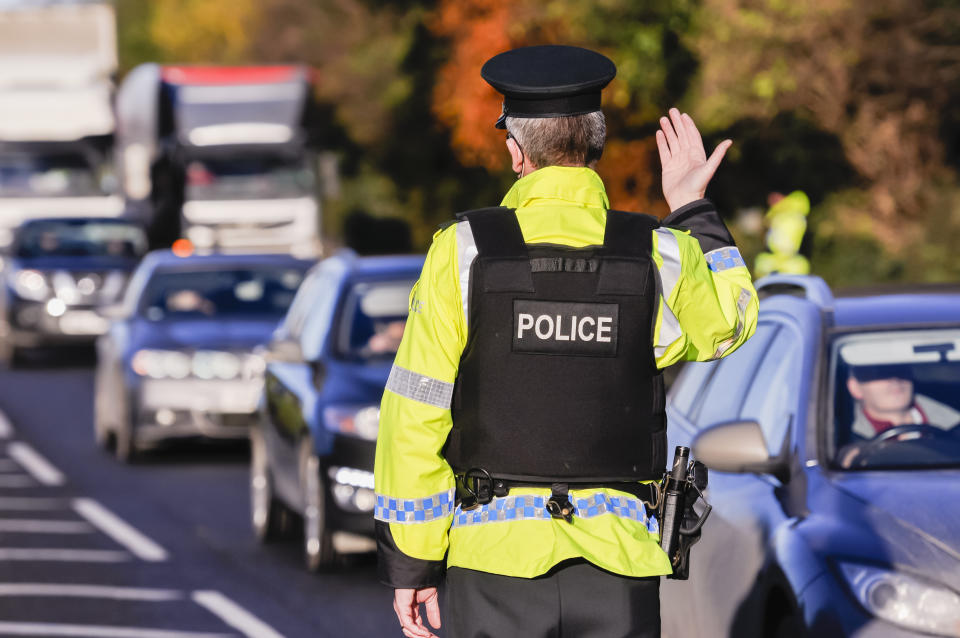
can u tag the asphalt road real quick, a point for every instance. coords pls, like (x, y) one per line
(159, 549)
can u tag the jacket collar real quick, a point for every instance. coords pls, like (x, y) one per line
(576, 185)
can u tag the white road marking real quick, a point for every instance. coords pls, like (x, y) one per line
(30, 504)
(6, 430)
(234, 615)
(39, 467)
(96, 631)
(44, 526)
(119, 530)
(63, 555)
(17, 480)
(88, 591)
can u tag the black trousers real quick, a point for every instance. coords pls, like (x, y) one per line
(573, 600)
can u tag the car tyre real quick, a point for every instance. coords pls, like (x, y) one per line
(317, 537)
(125, 446)
(101, 416)
(9, 355)
(788, 626)
(269, 517)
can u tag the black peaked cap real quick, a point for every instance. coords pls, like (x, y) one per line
(548, 81)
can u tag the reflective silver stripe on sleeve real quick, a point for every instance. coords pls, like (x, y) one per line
(419, 387)
(466, 253)
(724, 258)
(743, 300)
(669, 250)
(414, 510)
(669, 273)
(670, 331)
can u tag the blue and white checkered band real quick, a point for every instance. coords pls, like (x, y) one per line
(529, 506)
(724, 258)
(414, 510)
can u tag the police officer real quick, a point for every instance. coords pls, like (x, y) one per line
(523, 426)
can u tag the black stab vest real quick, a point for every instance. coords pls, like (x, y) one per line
(558, 380)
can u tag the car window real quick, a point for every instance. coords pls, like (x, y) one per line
(895, 399)
(373, 319)
(689, 385)
(319, 315)
(725, 391)
(257, 290)
(305, 297)
(772, 397)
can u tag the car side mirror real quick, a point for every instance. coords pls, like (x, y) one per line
(739, 447)
(285, 351)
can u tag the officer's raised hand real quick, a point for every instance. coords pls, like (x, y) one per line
(686, 169)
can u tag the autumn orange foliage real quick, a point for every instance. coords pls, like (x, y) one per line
(468, 106)
(630, 171)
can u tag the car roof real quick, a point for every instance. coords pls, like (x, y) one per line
(878, 305)
(364, 266)
(166, 258)
(355, 266)
(899, 309)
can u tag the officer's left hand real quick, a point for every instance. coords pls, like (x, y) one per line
(686, 169)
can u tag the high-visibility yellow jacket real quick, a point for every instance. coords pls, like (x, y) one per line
(707, 309)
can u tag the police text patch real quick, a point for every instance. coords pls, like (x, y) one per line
(560, 327)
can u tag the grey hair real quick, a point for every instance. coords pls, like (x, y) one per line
(573, 140)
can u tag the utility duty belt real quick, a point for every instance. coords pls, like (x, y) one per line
(672, 500)
(477, 487)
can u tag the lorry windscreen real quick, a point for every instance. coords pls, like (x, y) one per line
(47, 175)
(248, 178)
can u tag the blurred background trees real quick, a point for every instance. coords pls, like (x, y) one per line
(855, 103)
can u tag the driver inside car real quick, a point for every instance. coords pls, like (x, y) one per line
(885, 399)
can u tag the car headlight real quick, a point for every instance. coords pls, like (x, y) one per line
(903, 599)
(359, 421)
(254, 366)
(212, 364)
(161, 364)
(31, 284)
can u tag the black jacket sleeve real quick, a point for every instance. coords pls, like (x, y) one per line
(703, 221)
(396, 569)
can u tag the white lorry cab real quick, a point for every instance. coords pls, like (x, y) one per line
(221, 156)
(57, 61)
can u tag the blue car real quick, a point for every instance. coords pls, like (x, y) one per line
(834, 452)
(178, 361)
(327, 365)
(59, 275)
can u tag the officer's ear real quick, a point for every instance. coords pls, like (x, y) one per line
(854, 387)
(516, 155)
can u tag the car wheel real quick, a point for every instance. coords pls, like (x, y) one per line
(125, 446)
(11, 357)
(101, 413)
(788, 626)
(270, 518)
(317, 537)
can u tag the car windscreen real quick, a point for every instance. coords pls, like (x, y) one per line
(262, 177)
(47, 175)
(896, 399)
(80, 238)
(372, 319)
(257, 292)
